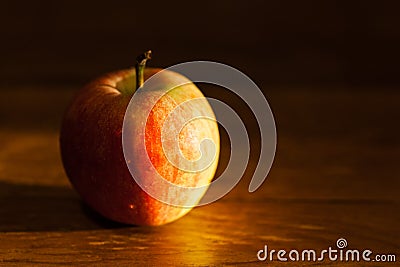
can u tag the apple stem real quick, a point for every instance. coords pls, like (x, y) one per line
(140, 65)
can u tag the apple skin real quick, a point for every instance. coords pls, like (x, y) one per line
(92, 153)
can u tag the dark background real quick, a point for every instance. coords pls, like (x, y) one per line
(329, 70)
(354, 42)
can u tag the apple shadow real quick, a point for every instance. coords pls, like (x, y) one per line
(33, 208)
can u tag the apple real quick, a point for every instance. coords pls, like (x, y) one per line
(92, 149)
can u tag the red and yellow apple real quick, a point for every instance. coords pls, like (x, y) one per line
(92, 150)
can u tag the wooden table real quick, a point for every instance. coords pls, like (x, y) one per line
(336, 175)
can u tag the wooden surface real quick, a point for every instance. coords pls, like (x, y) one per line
(336, 174)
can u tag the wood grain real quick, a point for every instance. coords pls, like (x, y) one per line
(336, 175)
